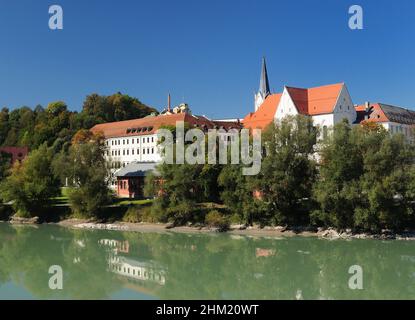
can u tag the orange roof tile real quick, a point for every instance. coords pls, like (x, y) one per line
(264, 115)
(380, 112)
(314, 101)
(375, 113)
(152, 123)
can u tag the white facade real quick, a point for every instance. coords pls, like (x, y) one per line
(405, 129)
(343, 109)
(286, 107)
(258, 99)
(124, 150)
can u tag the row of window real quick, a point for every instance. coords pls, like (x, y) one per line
(133, 140)
(118, 165)
(126, 152)
(400, 129)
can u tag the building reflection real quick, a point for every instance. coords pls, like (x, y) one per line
(132, 268)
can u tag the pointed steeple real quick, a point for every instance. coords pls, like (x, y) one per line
(264, 83)
(264, 90)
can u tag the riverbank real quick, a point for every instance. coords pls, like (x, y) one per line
(256, 231)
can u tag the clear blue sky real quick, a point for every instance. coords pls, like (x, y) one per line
(205, 52)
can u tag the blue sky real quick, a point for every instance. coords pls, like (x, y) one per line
(207, 53)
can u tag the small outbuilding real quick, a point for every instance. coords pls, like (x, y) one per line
(130, 179)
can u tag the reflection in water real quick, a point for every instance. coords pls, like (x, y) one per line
(102, 264)
(132, 268)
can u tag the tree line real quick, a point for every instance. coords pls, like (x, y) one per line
(358, 177)
(62, 151)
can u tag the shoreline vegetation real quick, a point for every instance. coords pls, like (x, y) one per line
(354, 181)
(124, 220)
(237, 230)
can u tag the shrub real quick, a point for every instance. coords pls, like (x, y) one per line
(136, 214)
(215, 219)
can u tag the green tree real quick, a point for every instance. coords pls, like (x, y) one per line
(341, 165)
(4, 164)
(31, 184)
(386, 184)
(366, 179)
(85, 168)
(288, 171)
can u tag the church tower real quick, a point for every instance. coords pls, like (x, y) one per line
(263, 91)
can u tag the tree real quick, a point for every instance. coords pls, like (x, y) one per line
(366, 179)
(85, 168)
(337, 190)
(386, 184)
(237, 193)
(288, 171)
(116, 107)
(4, 164)
(31, 184)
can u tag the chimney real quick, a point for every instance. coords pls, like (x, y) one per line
(168, 103)
(367, 107)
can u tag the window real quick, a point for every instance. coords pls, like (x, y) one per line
(138, 140)
(128, 152)
(132, 141)
(152, 150)
(132, 151)
(123, 152)
(152, 139)
(144, 151)
(148, 139)
(128, 140)
(119, 152)
(138, 151)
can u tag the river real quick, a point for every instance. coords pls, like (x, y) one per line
(97, 264)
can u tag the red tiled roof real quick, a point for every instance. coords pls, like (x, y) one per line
(312, 101)
(152, 123)
(265, 113)
(380, 112)
(374, 114)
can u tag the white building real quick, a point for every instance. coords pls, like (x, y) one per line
(327, 105)
(393, 119)
(135, 141)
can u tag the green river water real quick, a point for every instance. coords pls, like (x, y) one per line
(128, 265)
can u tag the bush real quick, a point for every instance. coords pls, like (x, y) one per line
(215, 219)
(136, 214)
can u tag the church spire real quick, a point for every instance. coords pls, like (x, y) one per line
(264, 83)
(263, 91)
